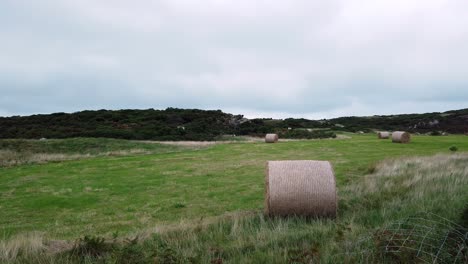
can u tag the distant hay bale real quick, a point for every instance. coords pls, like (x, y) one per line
(300, 187)
(401, 137)
(271, 138)
(383, 135)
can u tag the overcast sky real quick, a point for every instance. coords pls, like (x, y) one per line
(313, 59)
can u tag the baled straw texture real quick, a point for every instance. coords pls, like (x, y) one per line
(401, 137)
(271, 138)
(383, 135)
(300, 187)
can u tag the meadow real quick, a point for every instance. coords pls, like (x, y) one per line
(179, 204)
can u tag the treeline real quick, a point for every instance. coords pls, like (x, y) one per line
(150, 124)
(194, 124)
(455, 122)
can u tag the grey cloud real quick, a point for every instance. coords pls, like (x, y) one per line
(284, 58)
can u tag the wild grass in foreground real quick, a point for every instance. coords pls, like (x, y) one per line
(431, 188)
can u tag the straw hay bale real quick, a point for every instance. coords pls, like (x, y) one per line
(383, 135)
(271, 138)
(401, 137)
(300, 187)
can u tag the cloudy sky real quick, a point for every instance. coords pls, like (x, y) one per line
(314, 59)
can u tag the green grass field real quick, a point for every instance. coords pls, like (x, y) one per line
(126, 195)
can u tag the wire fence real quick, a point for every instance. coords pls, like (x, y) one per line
(423, 238)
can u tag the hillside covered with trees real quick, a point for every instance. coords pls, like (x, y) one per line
(194, 124)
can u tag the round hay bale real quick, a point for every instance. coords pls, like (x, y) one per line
(383, 135)
(271, 138)
(401, 137)
(300, 187)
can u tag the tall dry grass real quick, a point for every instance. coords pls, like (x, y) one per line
(10, 158)
(25, 246)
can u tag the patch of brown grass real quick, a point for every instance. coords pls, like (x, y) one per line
(9, 158)
(21, 245)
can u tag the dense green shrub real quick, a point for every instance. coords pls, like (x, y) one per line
(453, 148)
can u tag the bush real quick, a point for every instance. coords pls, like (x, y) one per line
(91, 247)
(132, 253)
(179, 205)
(453, 148)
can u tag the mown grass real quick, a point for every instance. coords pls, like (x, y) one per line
(124, 195)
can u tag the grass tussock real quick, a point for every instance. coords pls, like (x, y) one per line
(398, 189)
(24, 246)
